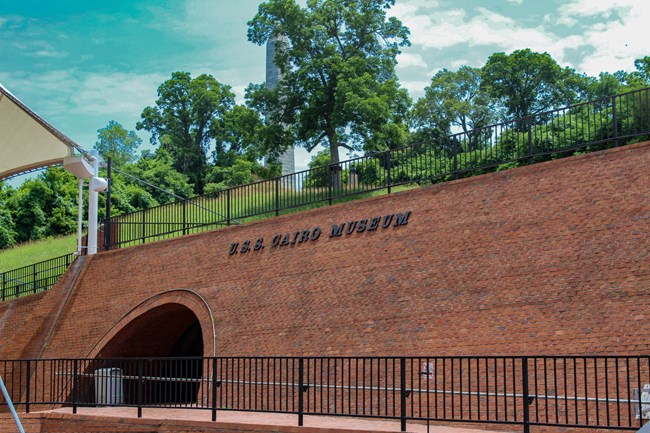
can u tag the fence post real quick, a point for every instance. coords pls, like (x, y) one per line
(388, 164)
(530, 139)
(34, 273)
(330, 186)
(277, 196)
(184, 217)
(228, 206)
(139, 396)
(75, 366)
(27, 382)
(402, 393)
(524, 375)
(301, 385)
(4, 286)
(214, 389)
(614, 120)
(456, 158)
(143, 224)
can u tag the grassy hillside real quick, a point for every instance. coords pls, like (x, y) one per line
(37, 251)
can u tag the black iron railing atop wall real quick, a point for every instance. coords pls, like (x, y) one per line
(588, 126)
(33, 278)
(605, 392)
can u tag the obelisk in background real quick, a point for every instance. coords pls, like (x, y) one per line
(273, 77)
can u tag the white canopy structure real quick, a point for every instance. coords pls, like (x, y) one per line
(28, 142)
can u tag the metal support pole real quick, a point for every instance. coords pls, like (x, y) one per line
(27, 382)
(107, 218)
(456, 158)
(184, 217)
(75, 377)
(214, 389)
(228, 206)
(144, 211)
(301, 382)
(139, 397)
(80, 199)
(388, 165)
(524, 373)
(330, 185)
(615, 121)
(12, 409)
(530, 139)
(277, 196)
(92, 208)
(402, 393)
(34, 273)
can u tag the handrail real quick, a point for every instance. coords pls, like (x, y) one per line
(605, 121)
(10, 404)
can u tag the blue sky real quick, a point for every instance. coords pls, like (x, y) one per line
(82, 63)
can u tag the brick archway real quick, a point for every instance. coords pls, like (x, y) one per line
(173, 311)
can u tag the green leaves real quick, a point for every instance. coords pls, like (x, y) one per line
(525, 82)
(186, 118)
(117, 143)
(339, 86)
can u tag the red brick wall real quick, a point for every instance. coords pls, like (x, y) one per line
(545, 259)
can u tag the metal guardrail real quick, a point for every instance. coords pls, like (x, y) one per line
(10, 405)
(603, 392)
(33, 278)
(588, 126)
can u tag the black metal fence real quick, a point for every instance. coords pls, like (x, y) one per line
(588, 126)
(568, 391)
(33, 278)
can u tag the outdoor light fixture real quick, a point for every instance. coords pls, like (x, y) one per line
(82, 169)
(78, 166)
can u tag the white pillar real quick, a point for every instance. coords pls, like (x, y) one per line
(80, 205)
(92, 208)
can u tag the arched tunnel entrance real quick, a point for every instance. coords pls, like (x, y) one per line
(168, 340)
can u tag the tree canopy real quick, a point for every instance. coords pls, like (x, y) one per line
(339, 86)
(117, 143)
(188, 114)
(526, 82)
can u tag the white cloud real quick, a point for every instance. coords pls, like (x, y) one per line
(116, 93)
(415, 87)
(449, 28)
(618, 39)
(408, 60)
(516, 2)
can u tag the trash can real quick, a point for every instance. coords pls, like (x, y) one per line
(109, 386)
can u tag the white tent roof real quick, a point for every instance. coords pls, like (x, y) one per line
(28, 142)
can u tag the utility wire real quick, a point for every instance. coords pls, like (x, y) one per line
(177, 197)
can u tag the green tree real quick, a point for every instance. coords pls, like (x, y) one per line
(117, 143)
(338, 86)
(238, 134)
(7, 227)
(185, 120)
(155, 169)
(27, 205)
(643, 67)
(455, 99)
(527, 83)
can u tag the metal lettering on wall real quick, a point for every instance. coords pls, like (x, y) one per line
(349, 228)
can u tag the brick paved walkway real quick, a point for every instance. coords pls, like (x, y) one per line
(275, 419)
